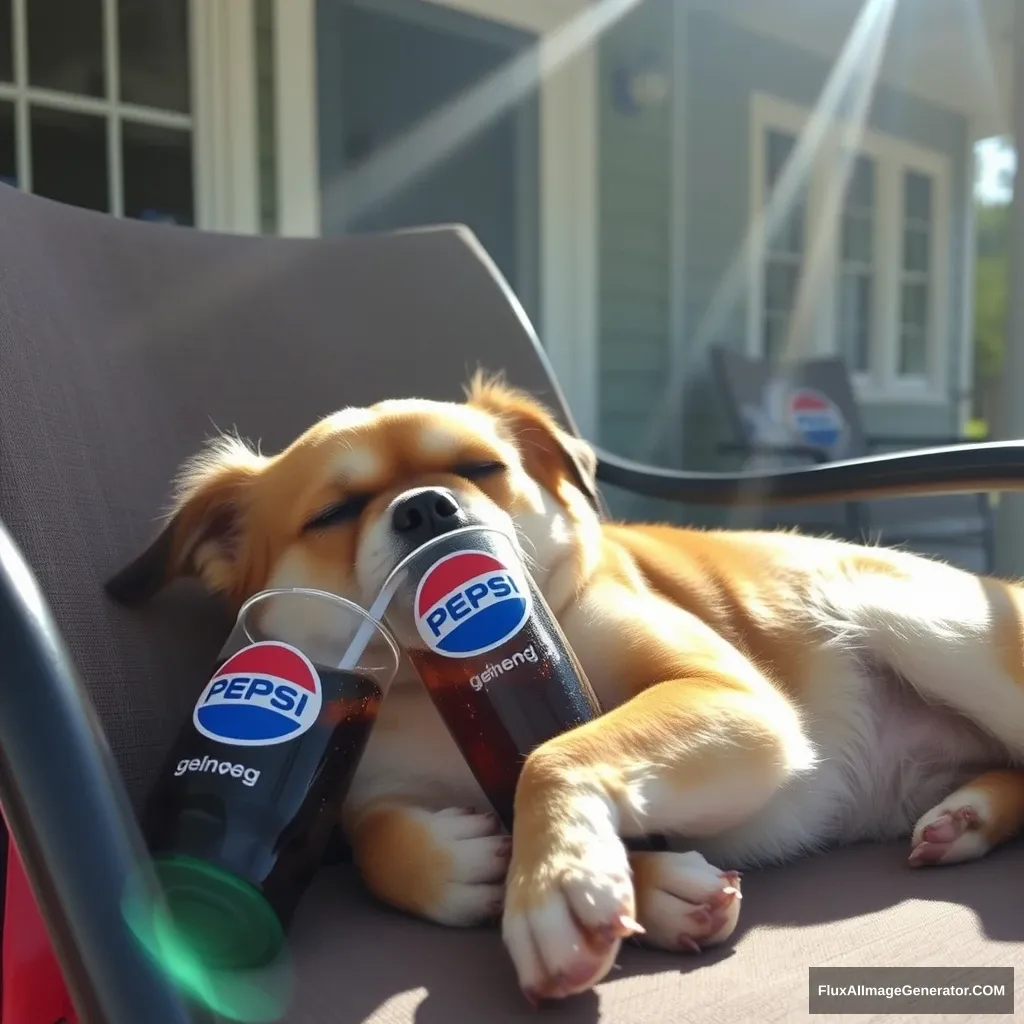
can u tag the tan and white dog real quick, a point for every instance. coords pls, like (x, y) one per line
(767, 694)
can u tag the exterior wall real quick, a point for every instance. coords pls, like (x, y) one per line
(634, 203)
(724, 64)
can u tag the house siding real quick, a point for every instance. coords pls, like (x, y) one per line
(634, 243)
(724, 65)
(634, 230)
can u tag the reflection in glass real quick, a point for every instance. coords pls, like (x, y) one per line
(69, 157)
(65, 46)
(8, 153)
(157, 173)
(153, 44)
(6, 42)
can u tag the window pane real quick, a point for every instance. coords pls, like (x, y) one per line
(69, 157)
(914, 305)
(776, 335)
(860, 192)
(8, 160)
(780, 285)
(917, 196)
(787, 233)
(915, 249)
(153, 43)
(778, 147)
(65, 45)
(6, 42)
(858, 240)
(855, 318)
(157, 173)
(913, 353)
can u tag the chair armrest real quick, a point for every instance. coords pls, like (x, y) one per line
(959, 469)
(798, 450)
(70, 816)
(908, 441)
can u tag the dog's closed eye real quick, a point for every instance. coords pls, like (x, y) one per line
(477, 470)
(341, 512)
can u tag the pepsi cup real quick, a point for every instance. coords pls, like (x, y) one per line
(484, 642)
(247, 800)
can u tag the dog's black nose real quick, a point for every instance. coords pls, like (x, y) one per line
(426, 513)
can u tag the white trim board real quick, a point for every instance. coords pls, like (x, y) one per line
(568, 175)
(892, 156)
(225, 129)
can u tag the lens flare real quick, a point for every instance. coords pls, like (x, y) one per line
(192, 954)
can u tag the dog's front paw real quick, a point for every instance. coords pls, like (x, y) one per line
(447, 866)
(569, 903)
(683, 902)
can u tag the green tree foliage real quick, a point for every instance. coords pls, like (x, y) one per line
(990, 290)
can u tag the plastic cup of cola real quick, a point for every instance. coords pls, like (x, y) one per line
(246, 802)
(482, 638)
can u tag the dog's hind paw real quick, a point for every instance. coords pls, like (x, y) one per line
(949, 833)
(683, 902)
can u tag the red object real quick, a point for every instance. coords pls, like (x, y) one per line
(33, 987)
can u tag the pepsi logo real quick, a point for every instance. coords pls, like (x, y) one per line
(267, 693)
(469, 602)
(815, 418)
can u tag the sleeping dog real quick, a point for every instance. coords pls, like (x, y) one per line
(766, 694)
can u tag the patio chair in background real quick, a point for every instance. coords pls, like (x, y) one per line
(806, 412)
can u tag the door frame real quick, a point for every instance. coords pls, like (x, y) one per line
(225, 143)
(567, 319)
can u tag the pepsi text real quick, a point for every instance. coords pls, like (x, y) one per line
(281, 696)
(264, 694)
(479, 594)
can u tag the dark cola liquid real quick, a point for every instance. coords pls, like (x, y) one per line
(500, 705)
(268, 817)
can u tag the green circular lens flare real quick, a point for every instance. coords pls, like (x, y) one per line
(215, 937)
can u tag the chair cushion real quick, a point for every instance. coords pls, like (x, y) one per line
(123, 345)
(358, 961)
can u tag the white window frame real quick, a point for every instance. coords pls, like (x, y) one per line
(568, 322)
(222, 120)
(892, 157)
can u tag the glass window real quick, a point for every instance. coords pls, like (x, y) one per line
(157, 173)
(855, 313)
(65, 46)
(8, 158)
(916, 284)
(69, 157)
(784, 249)
(6, 42)
(153, 44)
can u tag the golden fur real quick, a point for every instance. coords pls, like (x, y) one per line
(766, 693)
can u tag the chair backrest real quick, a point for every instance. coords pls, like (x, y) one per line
(809, 403)
(123, 345)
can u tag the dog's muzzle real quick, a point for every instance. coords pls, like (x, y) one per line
(420, 515)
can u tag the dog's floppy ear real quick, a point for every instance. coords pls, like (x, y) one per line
(202, 535)
(548, 451)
